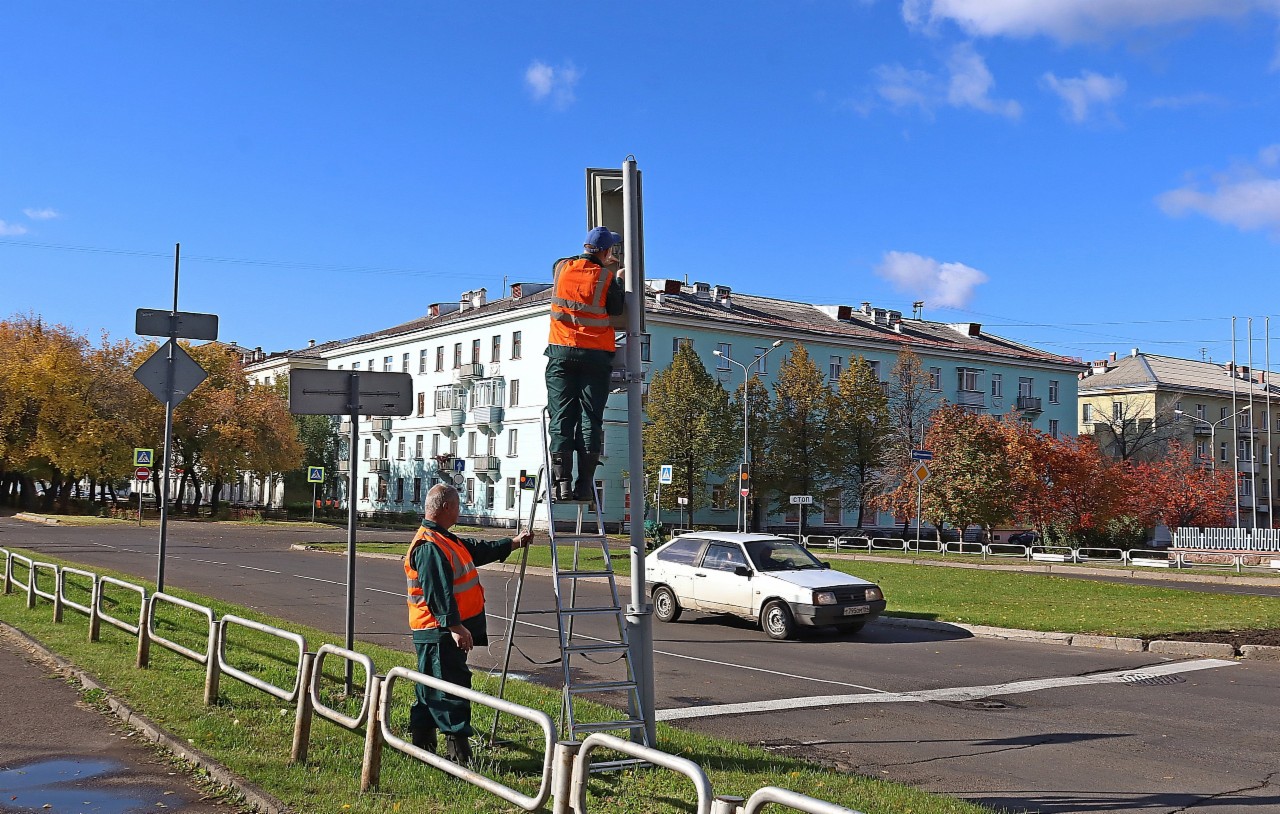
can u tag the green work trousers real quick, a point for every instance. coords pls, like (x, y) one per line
(576, 394)
(436, 710)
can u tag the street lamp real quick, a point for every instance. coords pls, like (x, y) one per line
(1213, 444)
(746, 375)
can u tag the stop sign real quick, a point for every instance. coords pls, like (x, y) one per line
(142, 473)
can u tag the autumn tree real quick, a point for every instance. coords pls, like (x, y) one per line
(1135, 428)
(972, 478)
(691, 426)
(1178, 491)
(798, 457)
(859, 433)
(911, 400)
(758, 410)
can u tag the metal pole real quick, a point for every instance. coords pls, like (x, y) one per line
(168, 423)
(1235, 426)
(313, 502)
(353, 406)
(138, 486)
(659, 515)
(919, 500)
(640, 613)
(1271, 489)
(746, 449)
(1253, 446)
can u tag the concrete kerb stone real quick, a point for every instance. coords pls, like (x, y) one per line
(253, 796)
(1261, 652)
(1122, 643)
(36, 518)
(1219, 650)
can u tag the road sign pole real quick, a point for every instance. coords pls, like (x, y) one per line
(919, 499)
(136, 481)
(353, 409)
(168, 422)
(314, 486)
(659, 515)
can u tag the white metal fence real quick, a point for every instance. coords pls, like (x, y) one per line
(1228, 539)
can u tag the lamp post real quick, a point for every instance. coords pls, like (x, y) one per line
(746, 376)
(1213, 445)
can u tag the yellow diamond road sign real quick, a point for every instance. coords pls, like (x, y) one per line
(920, 472)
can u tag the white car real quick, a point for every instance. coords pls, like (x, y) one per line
(772, 580)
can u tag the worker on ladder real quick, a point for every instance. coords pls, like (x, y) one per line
(580, 352)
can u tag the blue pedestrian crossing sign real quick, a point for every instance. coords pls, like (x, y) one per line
(664, 474)
(527, 481)
(315, 474)
(142, 456)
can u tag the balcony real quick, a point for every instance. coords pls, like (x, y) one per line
(1030, 404)
(487, 397)
(973, 399)
(345, 427)
(379, 466)
(382, 425)
(464, 375)
(488, 418)
(485, 467)
(450, 409)
(1203, 429)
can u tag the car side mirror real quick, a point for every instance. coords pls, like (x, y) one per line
(826, 564)
(742, 571)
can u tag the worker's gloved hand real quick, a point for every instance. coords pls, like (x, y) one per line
(522, 539)
(462, 638)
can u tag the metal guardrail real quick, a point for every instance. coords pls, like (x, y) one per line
(25, 586)
(209, 658)
(1007, 550)
(36, 591)
(800, 802)
(99, 614)
(1051, 553)
(1090, 553)
(597, 740)
(252, 680)
(328, 713)
(885, 544)
(853, 542)
(963, 547)
(528, 803)
(922, 546)
(7, 556)
(60, 601)
(821, 540)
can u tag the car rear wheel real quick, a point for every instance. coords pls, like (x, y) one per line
(665, 606)
(777, 621)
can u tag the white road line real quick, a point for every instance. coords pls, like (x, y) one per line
(253, 568)
(317, 579)
(380, 591)
(206, 562)
(944, 694)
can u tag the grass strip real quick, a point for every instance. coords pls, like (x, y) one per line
(250, 732)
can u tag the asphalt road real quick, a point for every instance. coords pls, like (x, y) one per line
(1024, 726)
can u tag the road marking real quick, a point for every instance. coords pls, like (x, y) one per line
(206, 562)
(944, 694)
(253, 568)
(380, 591)
(318, 579)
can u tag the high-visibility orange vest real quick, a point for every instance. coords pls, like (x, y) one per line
(578, 315)
(467, 591)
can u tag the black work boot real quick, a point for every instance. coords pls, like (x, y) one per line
(584, 489)
(562, 475)
(457, 748)
(424, 739)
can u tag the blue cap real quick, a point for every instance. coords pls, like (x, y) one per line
(602, 238)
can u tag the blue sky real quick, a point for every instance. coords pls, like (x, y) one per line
(1082, 176)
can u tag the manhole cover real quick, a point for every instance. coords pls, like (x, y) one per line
(1149, 680)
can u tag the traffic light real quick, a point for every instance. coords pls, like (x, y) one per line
(744, 475)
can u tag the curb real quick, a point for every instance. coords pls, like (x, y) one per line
(1124, 644)
(253, 796)
(36, 518)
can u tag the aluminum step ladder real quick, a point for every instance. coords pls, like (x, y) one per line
(582, 555)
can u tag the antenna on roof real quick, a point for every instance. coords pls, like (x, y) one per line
(1204, 357)
(917, 309)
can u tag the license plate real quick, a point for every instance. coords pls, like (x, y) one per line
(855, 610)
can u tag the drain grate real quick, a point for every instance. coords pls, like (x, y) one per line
(1149, 680)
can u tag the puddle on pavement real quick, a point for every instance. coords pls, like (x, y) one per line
(51, 786)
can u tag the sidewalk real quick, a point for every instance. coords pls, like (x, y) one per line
(60, 756)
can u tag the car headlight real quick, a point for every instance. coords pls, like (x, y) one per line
(824, 598)
(874, 594)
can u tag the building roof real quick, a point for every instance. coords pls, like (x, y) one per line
(1145, 371)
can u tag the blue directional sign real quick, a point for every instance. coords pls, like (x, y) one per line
(921, 455)
(664, 474)
(459, 464)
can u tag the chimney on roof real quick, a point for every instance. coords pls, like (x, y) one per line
(478, 297)
(1244, 371)
(436, 309)
(1134, 353)
(844, 312)
(1231, 368)
(702, 291)
(721, 293)
(866, 308)
(1113, 356)
(311, 343)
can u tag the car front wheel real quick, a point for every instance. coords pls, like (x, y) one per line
(665, 606)
(778, 621)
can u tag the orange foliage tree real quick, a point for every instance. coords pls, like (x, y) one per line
(1178, 491)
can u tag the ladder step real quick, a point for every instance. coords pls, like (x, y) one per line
(561, 539)
(605, 726)
(607, 647)
(618, 765)
(600, 686)
(589, 611)
(583, 574)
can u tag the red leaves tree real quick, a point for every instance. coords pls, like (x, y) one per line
(1178, 491)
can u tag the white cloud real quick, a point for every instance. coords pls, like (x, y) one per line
(1071, 20)
(967, 84)
(938, 284)
(11, 229)
(1246, 197)
(1084, 92)
(1184, 101)
(553, 85)
(45, 213)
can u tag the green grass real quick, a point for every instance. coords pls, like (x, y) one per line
(250, 731)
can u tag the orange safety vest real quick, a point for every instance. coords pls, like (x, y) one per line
(467, 591)
(578, 315)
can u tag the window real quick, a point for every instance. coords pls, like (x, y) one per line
(417, 490)
(515, 392)
(723, 557)
(495, 354)
(1265, 455)
(399, 490)
(457, 355)
(1053, 391)
(417, 447)
(513, 443)
(1200, 411)
(1222, 452)
(364, 488)
(720, 500)
(935, 378)
(761, 363)
(678, 342)
(368, 447)
(831, 510)
(1246, 487)
(511, 493)
(1202, 449)
(435, 444)
(386, 364)
(722, 359)
(488, 495)
(645, 348)
(471, 444)
(1222, 413)
(967, 380)
(400, 448)
(683, 551)
(470, 496)
(404, 363)
(1088, 413)
(1026, 387)
(382, 490)
(1246, 421)
(422, 404)
(422, 361)
(439, 358)
(1117, 411)
(371, 367)
(453, 447)
(475, 351)
(493, 446)
(1053, 428)
(835, 367)
(997, 385)
(515, 344)
(355, 365)
(875, 368)
(1244, 450)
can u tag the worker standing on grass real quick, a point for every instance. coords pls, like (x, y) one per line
(446, 613)
(579, 353)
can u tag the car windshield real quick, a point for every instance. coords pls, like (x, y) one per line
(780, 555)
